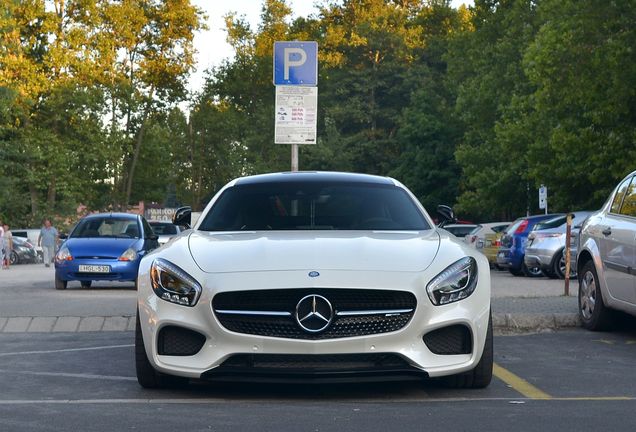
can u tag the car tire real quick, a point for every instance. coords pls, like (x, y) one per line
(60, 284)
(531, 272)
(147, 376)
(481, 376)
(14, 258)
(594, 314)
(86, 284)
(558, 263)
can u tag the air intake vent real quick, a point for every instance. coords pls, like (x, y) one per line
(454, 339)
(178, 341)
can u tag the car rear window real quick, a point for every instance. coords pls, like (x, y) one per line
(512, 228)
(550, 223)
(314, 206)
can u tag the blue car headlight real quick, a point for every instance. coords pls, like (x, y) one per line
(455, 283)
(173, 284)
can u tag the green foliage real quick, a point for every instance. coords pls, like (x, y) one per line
(471, 106)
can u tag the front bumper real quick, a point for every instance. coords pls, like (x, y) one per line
(222, 346)
(123, 271)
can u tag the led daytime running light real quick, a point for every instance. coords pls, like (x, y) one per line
(456, 282)
(173, 284)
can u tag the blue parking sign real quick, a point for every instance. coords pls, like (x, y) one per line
(296, 63)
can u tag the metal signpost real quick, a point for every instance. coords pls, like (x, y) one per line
(296, 79)
(543, 198)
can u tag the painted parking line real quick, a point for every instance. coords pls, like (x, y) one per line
(65, 350)
(519, 384)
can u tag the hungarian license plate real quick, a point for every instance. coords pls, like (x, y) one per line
(83, 268)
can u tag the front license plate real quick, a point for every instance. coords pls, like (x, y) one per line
(94, 269)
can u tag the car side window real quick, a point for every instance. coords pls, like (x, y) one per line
(629, 202)
(618, 198)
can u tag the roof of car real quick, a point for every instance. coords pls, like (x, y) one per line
(115, 215)
(314, 176)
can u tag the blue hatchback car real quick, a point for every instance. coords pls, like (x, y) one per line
(513, 246)
(104, 247)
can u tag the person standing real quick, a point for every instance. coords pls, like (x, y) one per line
(48, 240)
(1, 243)
(8, 246)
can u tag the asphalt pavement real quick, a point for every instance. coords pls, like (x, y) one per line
(558, 381)
(30, 303)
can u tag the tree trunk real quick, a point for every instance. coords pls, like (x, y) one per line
(34, 200)
(52, 194)
(137, 149)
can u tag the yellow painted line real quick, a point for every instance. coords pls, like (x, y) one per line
(597, 398)
(519, 384)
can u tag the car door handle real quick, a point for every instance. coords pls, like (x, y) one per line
(607, 231)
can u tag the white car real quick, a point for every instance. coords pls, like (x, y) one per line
(309, 276)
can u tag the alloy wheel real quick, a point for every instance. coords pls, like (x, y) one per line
(588, 295)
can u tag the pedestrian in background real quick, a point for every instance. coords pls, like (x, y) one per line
(48, 240)
(8, 246)
(1, 243)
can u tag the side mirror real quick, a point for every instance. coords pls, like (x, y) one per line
(183, 216)
(152, 237)
(447, 216)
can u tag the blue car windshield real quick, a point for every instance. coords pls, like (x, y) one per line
(314, 206)
(110, 227)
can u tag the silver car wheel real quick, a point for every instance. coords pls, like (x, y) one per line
(562, 267)
(588, 295)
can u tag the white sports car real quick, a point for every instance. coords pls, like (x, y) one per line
(314, 276)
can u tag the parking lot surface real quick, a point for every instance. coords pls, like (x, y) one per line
(86, 381)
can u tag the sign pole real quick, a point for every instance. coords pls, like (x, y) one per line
(294, 157)
(568, 264)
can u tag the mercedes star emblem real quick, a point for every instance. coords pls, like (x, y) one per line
(314, 313)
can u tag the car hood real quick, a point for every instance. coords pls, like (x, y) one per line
(310, 250)
(101, 247)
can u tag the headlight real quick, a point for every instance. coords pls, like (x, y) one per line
(173, 284)
(129, 255)
(64, 255)
(455, 283)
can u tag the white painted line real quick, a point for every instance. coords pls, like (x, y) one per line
(70, 375)
(65, 350)
(204, 401)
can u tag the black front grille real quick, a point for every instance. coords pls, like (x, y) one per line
(342, 300)
(178, 341)
(455, 339)
(323, 362)
(315, 367)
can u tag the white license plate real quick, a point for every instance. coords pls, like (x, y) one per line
(94, 268)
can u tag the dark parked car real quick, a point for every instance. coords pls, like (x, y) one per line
(23, 252)
(513, 246)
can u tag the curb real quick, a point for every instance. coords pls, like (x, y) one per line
(502, 323)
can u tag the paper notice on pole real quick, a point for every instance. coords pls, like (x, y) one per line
(296, 115)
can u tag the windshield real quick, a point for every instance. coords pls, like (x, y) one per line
(314, 206)
(106, 227)
(164, 228)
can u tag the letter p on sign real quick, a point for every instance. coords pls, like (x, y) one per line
(296, 63)
(290, 53)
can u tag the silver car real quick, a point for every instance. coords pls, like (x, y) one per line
(606, 260)
(165, 230)
(546, 245)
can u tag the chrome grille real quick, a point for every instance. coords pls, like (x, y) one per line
(358, 312)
